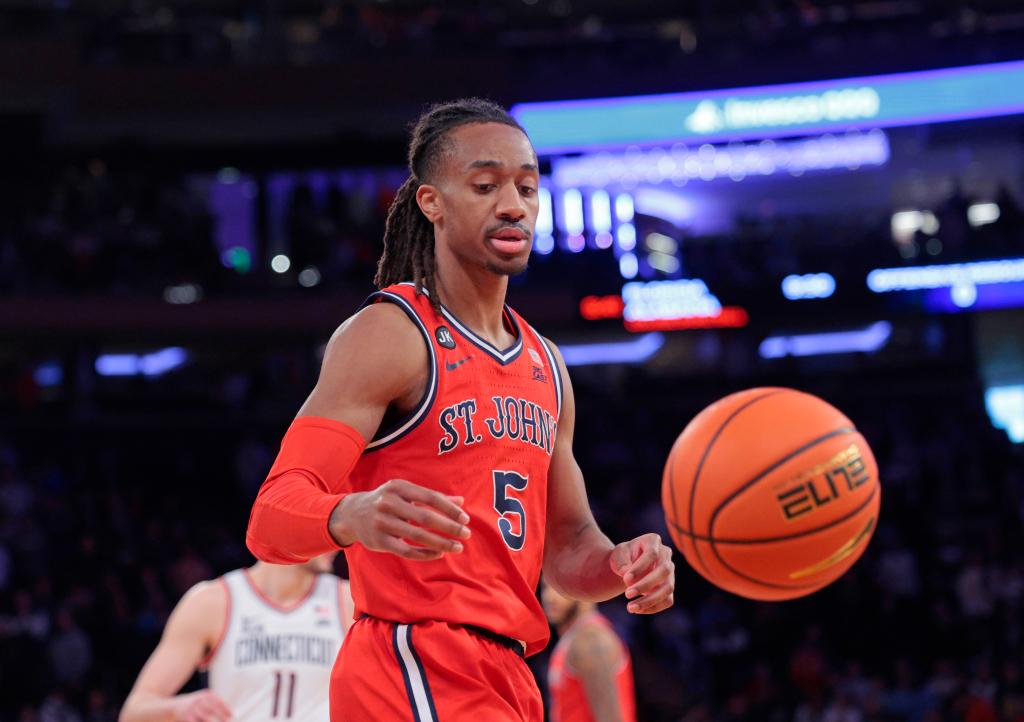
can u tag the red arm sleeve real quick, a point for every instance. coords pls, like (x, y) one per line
(288, 523)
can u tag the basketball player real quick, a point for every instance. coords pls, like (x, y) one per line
(436, 448)
(267, 636)
(590, 675)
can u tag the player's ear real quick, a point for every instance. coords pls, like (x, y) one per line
(430, 202)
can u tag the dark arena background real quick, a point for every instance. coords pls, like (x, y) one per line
(822, 194)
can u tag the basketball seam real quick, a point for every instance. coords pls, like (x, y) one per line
(795, 535)
(700, 465)
(714, 515)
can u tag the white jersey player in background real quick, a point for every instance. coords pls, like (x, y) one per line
(267, 636)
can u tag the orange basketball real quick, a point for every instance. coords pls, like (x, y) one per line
(771, 493)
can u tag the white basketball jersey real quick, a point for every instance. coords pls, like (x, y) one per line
(275, 663)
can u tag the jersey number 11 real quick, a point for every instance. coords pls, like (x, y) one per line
(283, 698)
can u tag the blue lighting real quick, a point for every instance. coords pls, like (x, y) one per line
(663, 204)
(603, 240)
(572, 212)
(975, 298)
(152, 364)
(628, 265)
(626, 236)
(880, 101)
(807, 286)
(117, 364)
(1005, 407)
(850, 151)
(576, 243)
(545, 222)
(979, 284)
(544, 244)
(866, 340)
(600, 211)
(48, 374)
(666, 300)
(624, 208)
(635, 351)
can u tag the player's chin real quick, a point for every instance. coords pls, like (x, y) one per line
(504, 266)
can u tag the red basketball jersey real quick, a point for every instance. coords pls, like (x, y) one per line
(484, 429)
(569, 701)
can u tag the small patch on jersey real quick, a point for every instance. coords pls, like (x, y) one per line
(535, 356)
(538, 374)
(444, 337)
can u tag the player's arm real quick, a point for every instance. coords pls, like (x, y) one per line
(579, 560)
(376, 359)
(594, 656)
(191, 631)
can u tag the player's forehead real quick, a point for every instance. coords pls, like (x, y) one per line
(491, 145)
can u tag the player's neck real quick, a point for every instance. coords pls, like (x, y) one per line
(283, 585)
(476, 297)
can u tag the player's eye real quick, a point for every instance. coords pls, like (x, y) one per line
(485, 187)
(527, 190)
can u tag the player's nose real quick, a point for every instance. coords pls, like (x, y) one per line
(510, 204)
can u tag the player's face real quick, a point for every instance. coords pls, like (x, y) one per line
(488, 201)
(322, 564)
(558, 608)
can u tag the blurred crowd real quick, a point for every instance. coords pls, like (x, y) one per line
(88, 229)
(103, 527)
(319, 31)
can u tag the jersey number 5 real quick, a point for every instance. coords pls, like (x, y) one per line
(508, 507)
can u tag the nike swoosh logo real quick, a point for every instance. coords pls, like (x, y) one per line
(452, 366)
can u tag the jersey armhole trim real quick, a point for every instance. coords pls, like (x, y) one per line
(405, 425)
(556, 369)
(204, 663)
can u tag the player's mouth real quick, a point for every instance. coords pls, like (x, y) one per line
(509, 241)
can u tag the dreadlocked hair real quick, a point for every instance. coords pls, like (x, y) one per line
(408, 235)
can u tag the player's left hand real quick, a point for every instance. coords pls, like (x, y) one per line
(646, 568)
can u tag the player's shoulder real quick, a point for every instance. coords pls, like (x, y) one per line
(207, 596)
(201, 610)
(593, 643)
(383, 327)
(380, 335)
(382, 321)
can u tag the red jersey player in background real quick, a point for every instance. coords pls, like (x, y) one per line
(590, 675)
(436, 448)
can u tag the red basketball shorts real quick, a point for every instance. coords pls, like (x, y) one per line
(429, 672)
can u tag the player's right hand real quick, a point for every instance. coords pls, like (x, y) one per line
(201, 706)
(404, 519)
